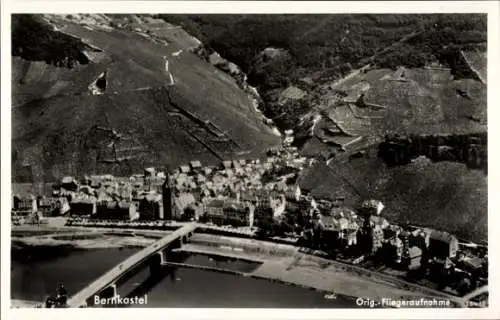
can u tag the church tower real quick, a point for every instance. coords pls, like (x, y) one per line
(167, 193)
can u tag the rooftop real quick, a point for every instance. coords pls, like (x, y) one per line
(442, 236)
(195, 164)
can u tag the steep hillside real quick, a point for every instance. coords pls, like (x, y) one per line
(382, 101)
(134, 100)
(443, 195)
(316, 49)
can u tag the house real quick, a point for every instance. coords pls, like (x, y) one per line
(181, 203)
(288, 140)
(377, 237)
(69, 183)
(441, 267)
(64, 206)
(240, 171)
(193, 185)
(236, 164)
(87, 190)
(195, 165)
(414, 257)
(392, 231)
(108, 177)
(268, 165)
(181, 180)
(185, 169)
(150, 206)
(156, 183)
(25, 204)
(338, 211)
(397, 249)
(350, 233)
(442, 245)
(83, 207)
(103, 195)
(237, 213)
(214, 212)
(248, 195)
(419, 238)
(372, 207)
(341, 224)
(291, 93)
(227, 164)
(48, 206)
(278, 205)
(293, 193)
(207, 171)
(197, 193)
(371, 236)
(262, 213)
(115, 210)
(378, 222)
(201, 179)
(56, 192)
(229, 173)
(340, 230)
(331, 232)
(161, 175)
(472, 265)
(149, 172)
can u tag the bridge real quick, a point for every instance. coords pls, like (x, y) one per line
(155, 255)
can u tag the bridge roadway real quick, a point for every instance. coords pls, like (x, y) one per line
(110, 278)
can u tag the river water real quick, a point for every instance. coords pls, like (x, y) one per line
(36, 273)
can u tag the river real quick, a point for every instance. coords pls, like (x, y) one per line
(36, 273)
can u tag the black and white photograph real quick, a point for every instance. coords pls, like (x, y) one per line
(283, 161)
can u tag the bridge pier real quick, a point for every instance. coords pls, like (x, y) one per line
(186, 238)
(157, 261)
(177, 243)
(163, 257)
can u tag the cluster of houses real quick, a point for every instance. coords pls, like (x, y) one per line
(98, 196)
(251, 193)
(367, 235)
(234, 193)
(238, 192)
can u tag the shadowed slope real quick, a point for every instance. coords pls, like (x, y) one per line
(443, 195)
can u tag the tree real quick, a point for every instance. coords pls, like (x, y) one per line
(267, 227)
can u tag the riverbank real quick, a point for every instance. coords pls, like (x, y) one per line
(287, 263)
(18, 304)
(83, 237)
(279, 262)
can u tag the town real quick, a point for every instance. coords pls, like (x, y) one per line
(261, 199)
